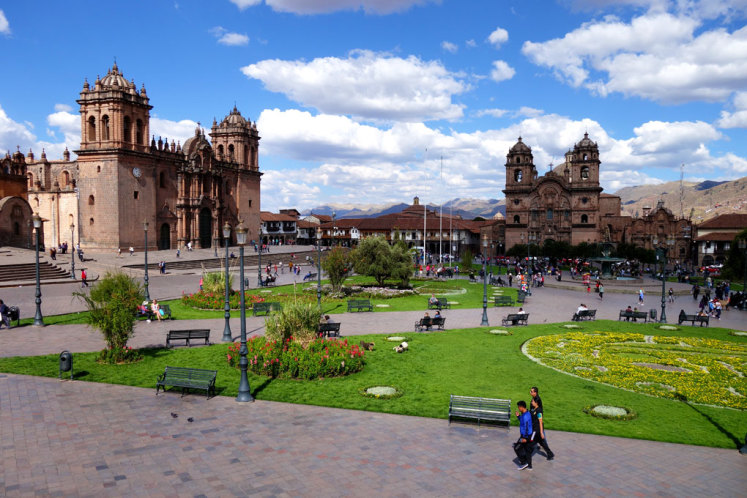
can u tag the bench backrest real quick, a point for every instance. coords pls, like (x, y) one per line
(262, 306)
(517, 316)
(359, 302)
(437, 320)
(189, 374)
(442, 301)
(329, 327)
(469, 402)
(184, 334)
(425, 321)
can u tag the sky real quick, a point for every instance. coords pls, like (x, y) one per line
(364, 102)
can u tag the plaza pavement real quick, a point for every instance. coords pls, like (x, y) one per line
(67, 438)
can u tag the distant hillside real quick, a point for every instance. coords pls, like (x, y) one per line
(705, 200)
(466, 208)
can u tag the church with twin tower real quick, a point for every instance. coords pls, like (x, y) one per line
(124, 177)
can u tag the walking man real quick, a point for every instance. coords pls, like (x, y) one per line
(83, 278)
(601, 291)
(524, 446)
(4, 314)
(538, 424)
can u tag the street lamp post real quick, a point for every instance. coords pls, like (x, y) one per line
(38, 319)
(145, 229)
(72, 253)
(227, 337)
(259, 263)
(244, 389)
(319, 267)
(743, 246)
(484, 322)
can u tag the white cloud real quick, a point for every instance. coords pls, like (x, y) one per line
(173, 130)
(13, 133)
(738, 118)
(496, 113)
(656, 56)
(366, 85)
(498, 37)
(4, 25)
(225, 37)
(327, 6)
(368, 164)
(63, 107)
(243, 4)
(529, 112)
(449, 47)
(471, 43)
(501, 71)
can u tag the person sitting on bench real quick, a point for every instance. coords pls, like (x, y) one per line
(433, 300)
(581, 307)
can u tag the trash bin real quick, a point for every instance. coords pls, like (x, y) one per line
(66, 363)
(652, 314)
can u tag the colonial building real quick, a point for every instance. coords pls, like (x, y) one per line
(15, 212)
(715, 236)
(121, 180)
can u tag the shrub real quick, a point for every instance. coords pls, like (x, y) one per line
(112, 304)
(214, 282)
(289, 359)
(217, 301)
(336, 266)
(299, 320)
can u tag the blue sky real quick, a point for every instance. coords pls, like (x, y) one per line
(363, 101)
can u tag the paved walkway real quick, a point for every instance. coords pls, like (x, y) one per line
(65, 438)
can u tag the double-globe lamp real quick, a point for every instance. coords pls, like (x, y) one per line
(227, 327)
(245, 394)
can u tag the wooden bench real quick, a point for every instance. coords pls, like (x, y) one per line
(187, 378)
(360, 304)
(309, 276)
(497, 281)
(440, 304)
(472, 278)
(187, 335)
(515, 319)
(428, 323)
(584, 315)
(269, 280)
(266, 308)
(330, 329)
(504, 301)
(635, 315)
(684, 317)
(482, 409)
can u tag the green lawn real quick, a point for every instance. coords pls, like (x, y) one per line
(468, 362)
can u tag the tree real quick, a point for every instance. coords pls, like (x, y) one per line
(734, 264)
(467, 258)
(336, 266)
(112, 304)
(375, 258)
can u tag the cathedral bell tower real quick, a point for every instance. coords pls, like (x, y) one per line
(520, 178)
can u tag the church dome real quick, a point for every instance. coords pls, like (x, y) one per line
(114, 78)
(234, 119)
(520, 147)
(586, 142)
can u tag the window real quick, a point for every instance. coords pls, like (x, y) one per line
(31, 180)
(139, 132)
(127, 129)
(162, 179)
(220, 151)
(98, 169)
(91, 129)
(517, 219)
(518, 160)
(105, 127)
(567, 214)
(535, 215)
(518, 174)
(230, 152)
(584, 218)
(549, 214)
(586, 157)
(65, 179)
(250, 203)
(584, 200)
(90, 221)
(137, 194)
(91, 200)
(16, 228)
(585, 172)
(516, 202)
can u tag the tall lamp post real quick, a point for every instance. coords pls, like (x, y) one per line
(227, 327)
(661, 256)
(743, 246)
(145, 229)
(244, 389)
(319, 267)
(72, 253)
(38, 319)
(484, 322)
(259, 263)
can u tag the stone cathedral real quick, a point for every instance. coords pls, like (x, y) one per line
(124, 177)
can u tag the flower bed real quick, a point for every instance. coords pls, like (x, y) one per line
(322, 358)
(217, 301)
(704, 371)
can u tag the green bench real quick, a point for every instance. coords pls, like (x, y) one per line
(266, 308)
(684, 317)
(489, 409)
(360, 304)
(634, 315)
(187, 335)
(515, 319)
(584, 315)
(504, 301)
(329, 329)
(439, 304)
(187, 378)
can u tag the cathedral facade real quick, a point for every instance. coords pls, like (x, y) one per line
(122, 179)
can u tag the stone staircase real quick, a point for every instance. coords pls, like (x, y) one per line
(27, 272)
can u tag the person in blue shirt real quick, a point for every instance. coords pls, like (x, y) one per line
(525, 445)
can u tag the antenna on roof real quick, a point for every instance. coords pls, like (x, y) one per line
(682, 190)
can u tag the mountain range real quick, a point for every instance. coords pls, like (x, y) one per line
(699, 201)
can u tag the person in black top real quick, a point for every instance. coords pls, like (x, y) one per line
(4, 314)
(540, 428)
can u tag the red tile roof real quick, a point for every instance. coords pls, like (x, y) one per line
(733, 220)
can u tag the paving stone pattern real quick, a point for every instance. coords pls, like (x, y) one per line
(64, 438)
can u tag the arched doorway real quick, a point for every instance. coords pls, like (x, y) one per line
(164, 238)
(206, 227)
